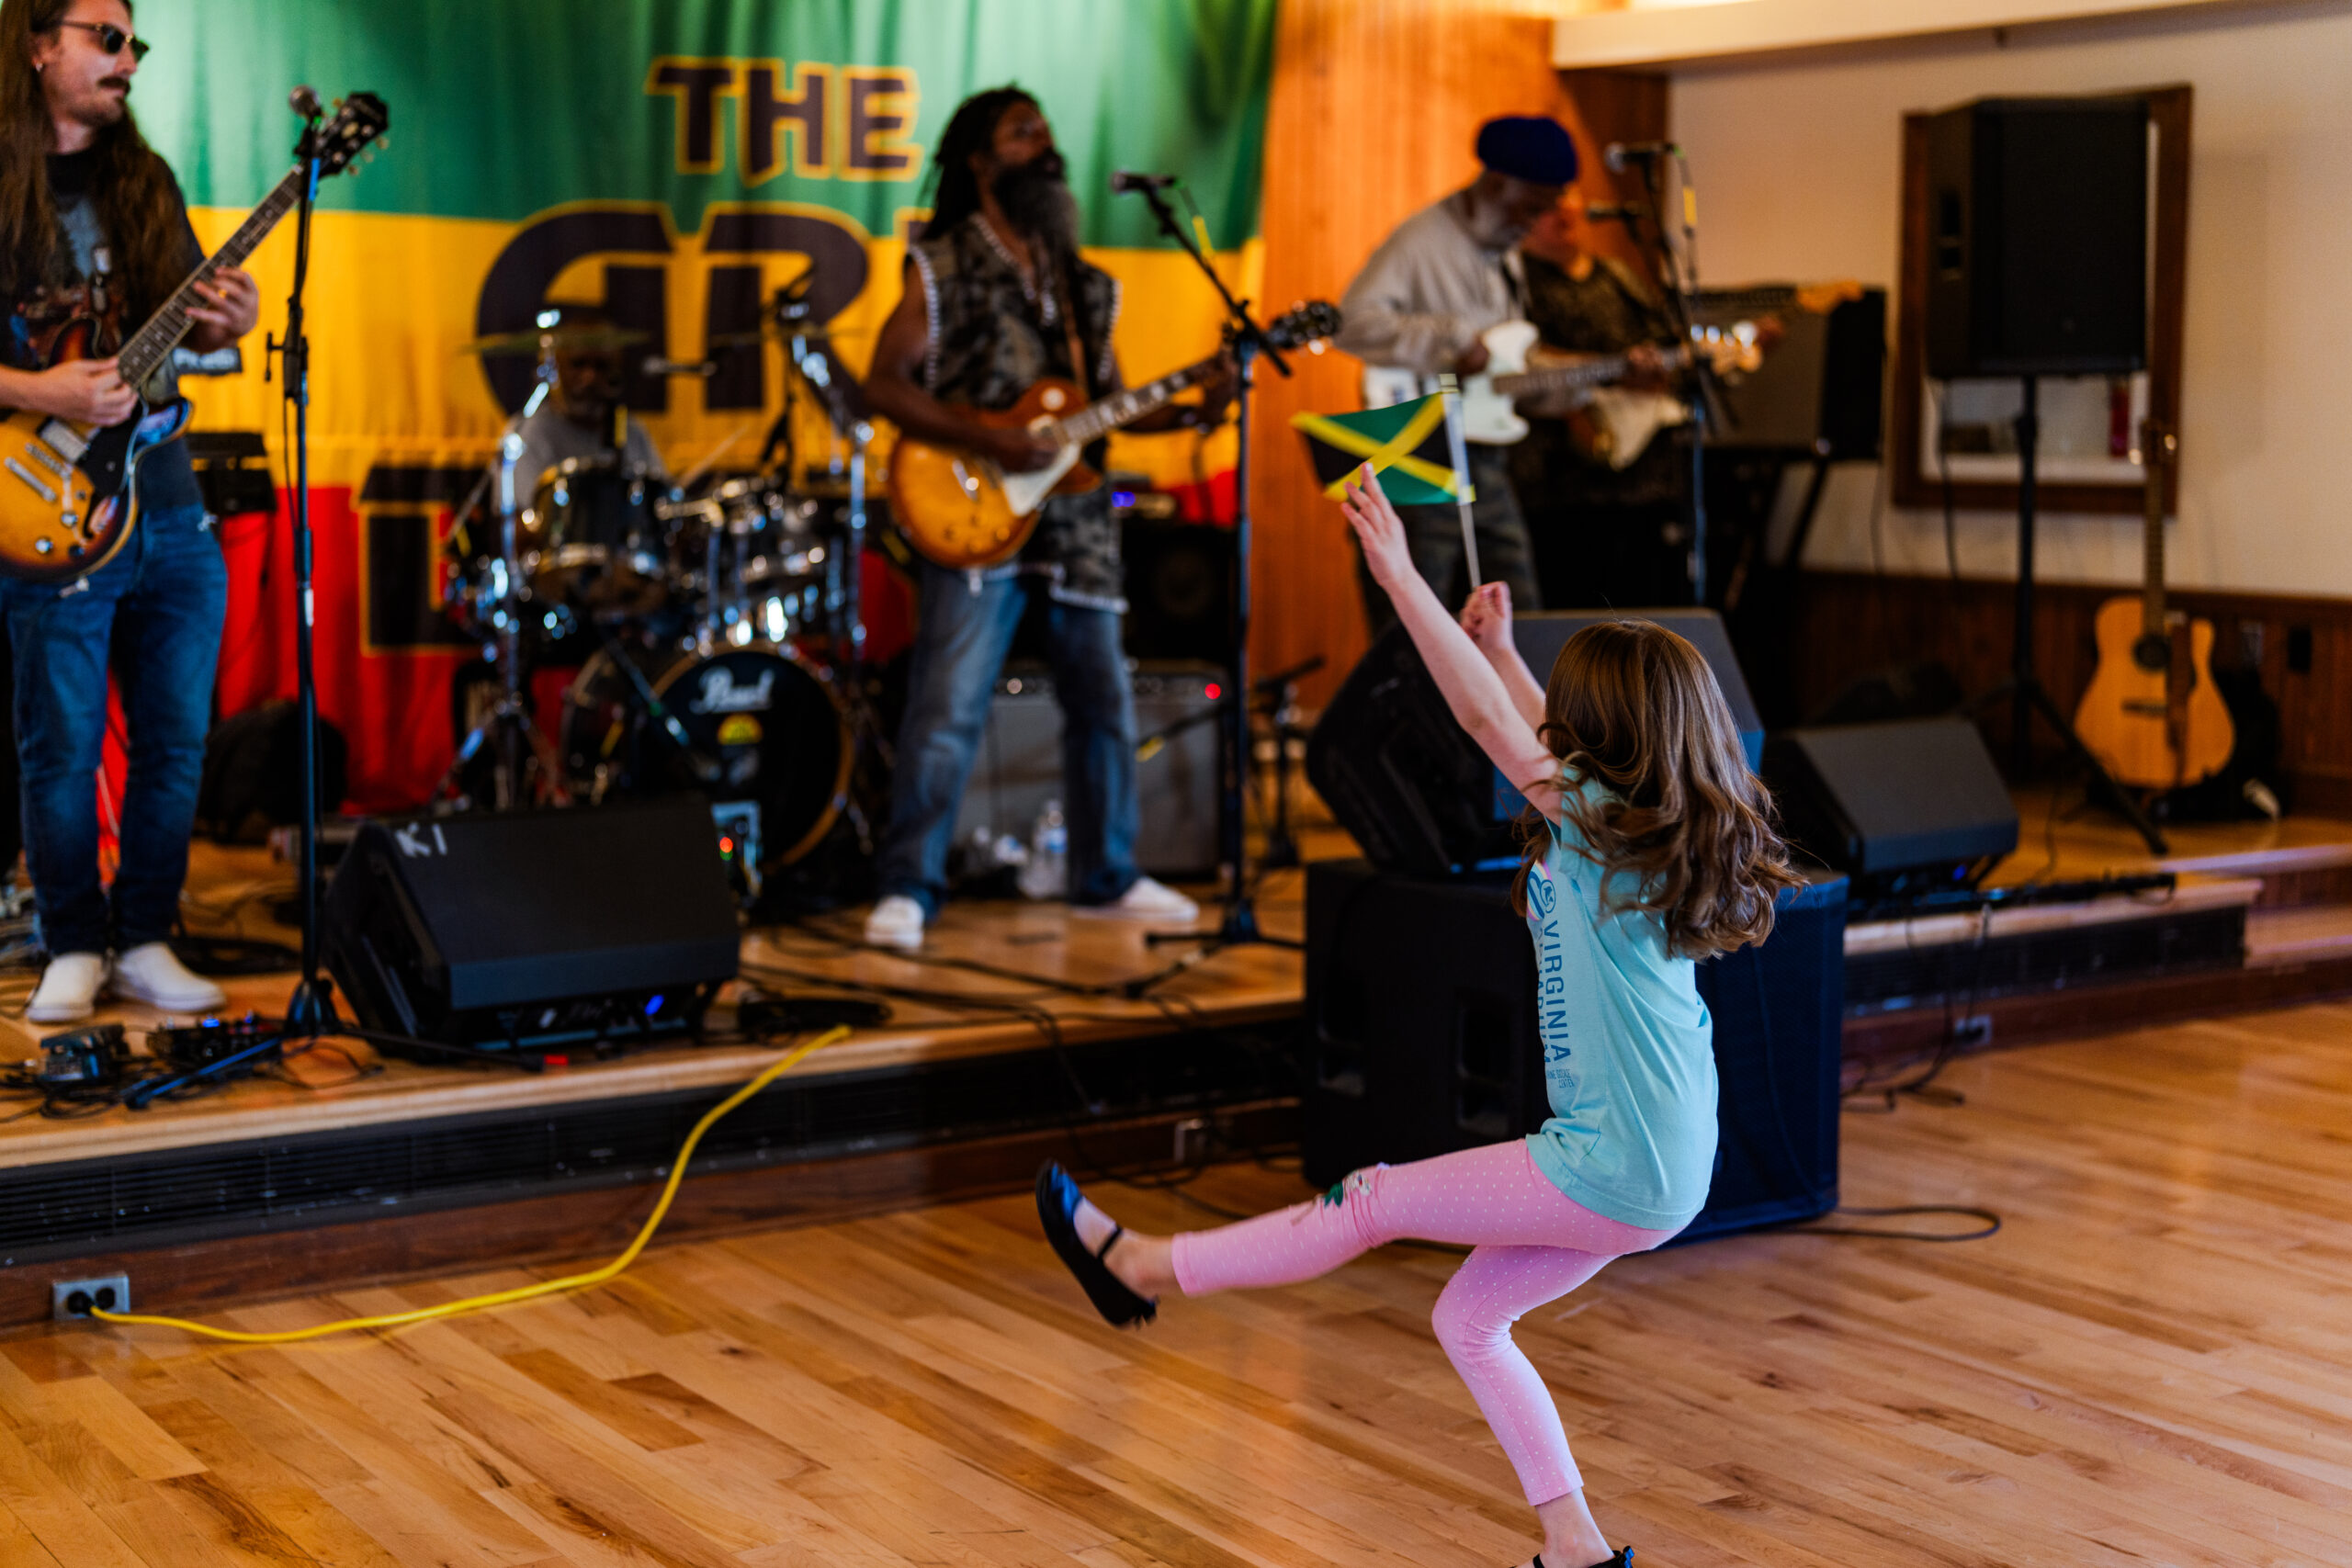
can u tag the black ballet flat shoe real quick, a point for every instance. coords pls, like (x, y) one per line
(1058, 1198)
(1624, 1559)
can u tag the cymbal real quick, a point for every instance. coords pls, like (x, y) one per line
(535, 341)
(763, 333)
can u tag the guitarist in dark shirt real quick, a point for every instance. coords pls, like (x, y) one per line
(94, 236)
(996, 298)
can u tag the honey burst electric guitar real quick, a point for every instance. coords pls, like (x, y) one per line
(961, 511)
(2152, 715)
(69, 493)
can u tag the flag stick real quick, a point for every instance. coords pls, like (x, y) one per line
(1464, 495)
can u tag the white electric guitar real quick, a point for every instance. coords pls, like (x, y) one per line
(1519, 367)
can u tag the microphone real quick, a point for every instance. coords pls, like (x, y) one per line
(1123, 182)
(1622, 155)
(304, 101)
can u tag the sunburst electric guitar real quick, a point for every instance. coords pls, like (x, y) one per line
(962, 512)
(69, 493)
(2152, 715)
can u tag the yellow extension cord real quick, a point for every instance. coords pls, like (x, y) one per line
(790, 1060)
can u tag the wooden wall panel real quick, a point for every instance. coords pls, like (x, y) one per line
(1854, 623)
(1374, 109)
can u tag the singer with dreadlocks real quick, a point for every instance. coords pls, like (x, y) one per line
(94, 231)
(996, 297)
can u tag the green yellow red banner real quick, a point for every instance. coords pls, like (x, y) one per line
(677, 161)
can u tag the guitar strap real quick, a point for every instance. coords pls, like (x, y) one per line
(1076, 352)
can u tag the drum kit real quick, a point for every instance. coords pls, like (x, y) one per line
(716, 621)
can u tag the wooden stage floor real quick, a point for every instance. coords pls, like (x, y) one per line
(973, 1012)
(2148, 1364)
(232, 891)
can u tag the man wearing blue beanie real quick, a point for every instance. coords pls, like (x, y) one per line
(1445, 276)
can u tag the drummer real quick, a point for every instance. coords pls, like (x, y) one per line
(584, 415)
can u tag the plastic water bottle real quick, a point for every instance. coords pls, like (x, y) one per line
(1046, 875)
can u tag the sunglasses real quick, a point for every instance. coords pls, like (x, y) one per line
(112, 39)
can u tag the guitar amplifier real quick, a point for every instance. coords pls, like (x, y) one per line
(1818, 390)
(1020, 765)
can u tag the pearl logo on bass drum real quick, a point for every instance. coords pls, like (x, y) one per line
(718, 693)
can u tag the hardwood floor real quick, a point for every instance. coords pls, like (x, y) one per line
(2149, 1364)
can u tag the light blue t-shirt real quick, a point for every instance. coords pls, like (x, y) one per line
(1629, 1056)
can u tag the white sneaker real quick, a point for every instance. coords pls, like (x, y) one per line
(1154, 903)
(68, 987)
(897, 921)
(152, 973)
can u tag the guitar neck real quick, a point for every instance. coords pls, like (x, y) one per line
(1594, 372)
(2156, 452)
(154, 343)
(1099, 419)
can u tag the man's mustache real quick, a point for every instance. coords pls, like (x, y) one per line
(122, 82)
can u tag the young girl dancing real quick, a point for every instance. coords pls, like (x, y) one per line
(1653, 849)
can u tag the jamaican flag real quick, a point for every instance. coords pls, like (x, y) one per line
(1404, 443)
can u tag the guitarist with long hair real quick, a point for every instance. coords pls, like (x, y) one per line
(997, 298)
(94, 236)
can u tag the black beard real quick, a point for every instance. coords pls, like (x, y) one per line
(1036, 201)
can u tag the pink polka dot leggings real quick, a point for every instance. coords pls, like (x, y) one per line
(1533, 1244)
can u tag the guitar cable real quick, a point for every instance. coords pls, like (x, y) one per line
(766, 1075)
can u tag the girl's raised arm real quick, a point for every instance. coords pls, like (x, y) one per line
(1482, 703)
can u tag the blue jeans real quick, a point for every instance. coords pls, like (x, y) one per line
(155, 611)
(960, 643)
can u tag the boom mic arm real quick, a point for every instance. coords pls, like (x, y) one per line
(1623, 155)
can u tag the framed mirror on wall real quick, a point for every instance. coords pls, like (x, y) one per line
(1953, 440)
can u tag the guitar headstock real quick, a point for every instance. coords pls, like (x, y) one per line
(1304, 325)
(358, 120)
(1738, 349)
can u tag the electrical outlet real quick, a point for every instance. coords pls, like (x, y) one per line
(1973, 1031)
(71, 1300)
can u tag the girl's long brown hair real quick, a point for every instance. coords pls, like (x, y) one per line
(1634, 706)
(138, 205)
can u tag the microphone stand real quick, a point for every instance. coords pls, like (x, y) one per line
(1250, 342)
(1681, 289)
(309, 1012)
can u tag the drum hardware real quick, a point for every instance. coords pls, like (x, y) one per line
(508, 722)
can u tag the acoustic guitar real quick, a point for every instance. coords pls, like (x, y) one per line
(2153, 716)
(69, 492)
(961, 511)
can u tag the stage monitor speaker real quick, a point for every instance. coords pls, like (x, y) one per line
(1915, 800)
(537, 928)
(1020, 765)
(1420, 1003)
(1539, 635)
(1179, 589)
(1819, 389)
(2037, 237)
(1414, 790)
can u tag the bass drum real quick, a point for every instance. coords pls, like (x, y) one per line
(761, 727)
